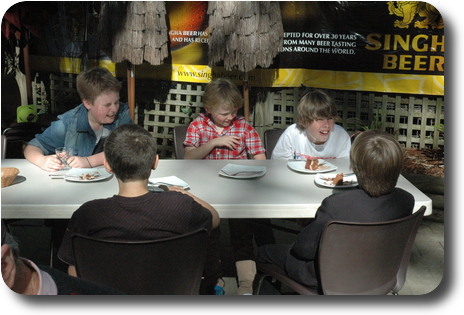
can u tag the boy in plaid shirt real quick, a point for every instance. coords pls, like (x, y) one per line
(221, 134)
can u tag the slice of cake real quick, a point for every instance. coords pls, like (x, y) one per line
(338, 180)
(312, 164)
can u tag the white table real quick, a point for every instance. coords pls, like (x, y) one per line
(281, 193)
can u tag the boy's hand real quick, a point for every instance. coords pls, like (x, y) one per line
(50, 163)
(173, 188)
(230, 142)
(78, 162)
(176, 188)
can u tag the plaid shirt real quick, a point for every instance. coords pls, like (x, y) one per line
(203, 130)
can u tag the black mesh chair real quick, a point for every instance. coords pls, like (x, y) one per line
(179, 134)
(165, 266)
(271, 137)
(357, 258)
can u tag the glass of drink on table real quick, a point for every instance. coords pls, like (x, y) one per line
(63, 154)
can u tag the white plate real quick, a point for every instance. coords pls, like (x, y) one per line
(326, 181)
(168, 181)
(242, 171)
(299, 166)
(74, 175)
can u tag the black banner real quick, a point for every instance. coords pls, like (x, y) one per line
(387, 37)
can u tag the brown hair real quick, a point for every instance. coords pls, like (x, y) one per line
(222, 93)
(94, 82)
(130, 151)
(377, 159)
(315, 105)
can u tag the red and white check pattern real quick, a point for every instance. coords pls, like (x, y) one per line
(202, 130)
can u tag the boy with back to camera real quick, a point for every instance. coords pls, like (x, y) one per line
(315, 136)
(85, 127)
(135, 213)
(221, 134)
(377, 159)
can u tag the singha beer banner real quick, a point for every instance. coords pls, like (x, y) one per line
(394, 46)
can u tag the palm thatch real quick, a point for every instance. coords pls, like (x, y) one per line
(135, 31)
(244, 34)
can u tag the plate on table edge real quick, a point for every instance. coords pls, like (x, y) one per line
(168, 181)
(321, 179)
(244, 169)
(79, 171)
(299, 166)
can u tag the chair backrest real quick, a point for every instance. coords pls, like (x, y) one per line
(366, 258)
(179, 137)
(3, 146)
(271, 137)
(165, 266)
(401, 275)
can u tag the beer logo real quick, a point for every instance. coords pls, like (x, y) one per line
(423, 15)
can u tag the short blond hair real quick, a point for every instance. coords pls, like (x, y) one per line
(315, 105)
(222, 93)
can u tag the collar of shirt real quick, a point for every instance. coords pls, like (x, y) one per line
(82, 122)
(47, 285)
(211, 124)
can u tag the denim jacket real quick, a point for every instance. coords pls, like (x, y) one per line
(73, 129)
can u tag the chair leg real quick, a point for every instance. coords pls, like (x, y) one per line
(257, 283)
(264, 284)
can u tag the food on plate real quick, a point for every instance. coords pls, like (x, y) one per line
(87, 176)
(312, 164)
(338, 180)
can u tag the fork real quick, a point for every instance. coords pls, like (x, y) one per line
(61, 176)
(241, 172)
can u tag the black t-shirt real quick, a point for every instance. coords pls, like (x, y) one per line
(148, 217)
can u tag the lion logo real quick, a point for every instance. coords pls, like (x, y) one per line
(424, 14)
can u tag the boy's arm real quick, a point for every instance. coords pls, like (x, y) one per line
(72, 271)
(230, 142)
(260, 156)
(206, 205)
(35, 155)
(88, 161)
(193, 153)
(254, 144)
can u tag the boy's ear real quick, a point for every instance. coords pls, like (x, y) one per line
(155, 162)
(107, 166)
(87, 104)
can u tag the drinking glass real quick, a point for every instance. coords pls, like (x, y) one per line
(63, 153)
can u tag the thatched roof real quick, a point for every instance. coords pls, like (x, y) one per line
(244, 34)
(135, 31)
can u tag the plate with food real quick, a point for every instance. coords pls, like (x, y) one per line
(336, 180)
(86, 175)
(311, 166)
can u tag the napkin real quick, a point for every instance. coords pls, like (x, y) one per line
(169, 181)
